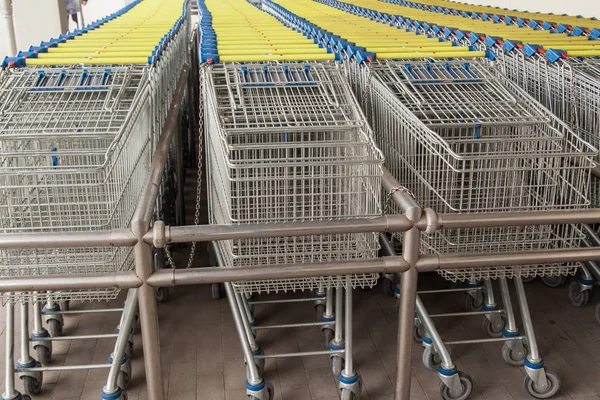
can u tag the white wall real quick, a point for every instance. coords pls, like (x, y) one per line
(38, 20)
(587, 8)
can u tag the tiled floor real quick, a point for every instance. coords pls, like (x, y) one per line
(202, 357)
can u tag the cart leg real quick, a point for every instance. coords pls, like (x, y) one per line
(433, 343)
(54, 322)
(256, 350)
(43, 348)
(350, 383)
(494, 322)
(120, 362)
(337, 343)
(513, 351)
(255, 385)
(9, 362)
(32, 380)
(539, 381)
(328, 316)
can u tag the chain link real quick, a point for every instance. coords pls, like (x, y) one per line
(199, 179)
(388, 198)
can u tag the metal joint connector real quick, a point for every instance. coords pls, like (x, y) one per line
(158, 230)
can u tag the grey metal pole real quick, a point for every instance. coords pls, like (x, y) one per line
(125, 328)
(406, 309)
(119, 280)
(148, 317)
(9, 357)
(519, 218)
(434, 262)
(208, 233)
(116, 238)
(143, 252)
(195, 276)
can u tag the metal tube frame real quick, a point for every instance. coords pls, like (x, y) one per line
(412, 221)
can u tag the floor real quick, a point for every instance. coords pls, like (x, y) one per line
(202, 356)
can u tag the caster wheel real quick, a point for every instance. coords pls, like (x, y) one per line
(162, 294)
(337, 364)
(430, 359)
(31, 385)
(44, 354)
(215, 291)
(551, 390)
(129, 348)
(578, 297)
(527, 279)
(513, 357)
(55, 327)
(597, 313)
(327, 336)
(260, 366)
(389, 286)
(347, 394)
(26, 397)
(494, 330)
(270, 393)
(474, 303)
(553, 281)
(467, 388)
(418, 334)
(124, 378)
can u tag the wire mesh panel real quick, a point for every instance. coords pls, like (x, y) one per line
(569, 88)
(74, 155)
(289, 143)
(504, 153)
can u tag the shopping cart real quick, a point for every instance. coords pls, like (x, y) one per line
(75, 150)
(287, 142)
(462, 137)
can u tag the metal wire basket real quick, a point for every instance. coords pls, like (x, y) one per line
(289, 143)
(463, 138)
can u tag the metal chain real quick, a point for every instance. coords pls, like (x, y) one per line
(199, 179)
(391, 193)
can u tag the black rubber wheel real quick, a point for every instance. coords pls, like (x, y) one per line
(162, 295)
(430, 359)
(44, 354)
(511, 358)
(579, 298)
(551, 390)
(55, 327)
(491, 330)
(597, 312)
(418, 334)
(474, 303)
(553, 281)
(124, 377)
(467, 388)
(31, 385)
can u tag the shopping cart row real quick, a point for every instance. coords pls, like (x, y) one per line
(290, 135)
(80, 119)
(458, 134)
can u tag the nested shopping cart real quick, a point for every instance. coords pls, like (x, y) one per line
(285, 142)
(462, 137)
(75, 150)
(288, 142)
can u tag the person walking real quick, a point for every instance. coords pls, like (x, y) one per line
(74, 11)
